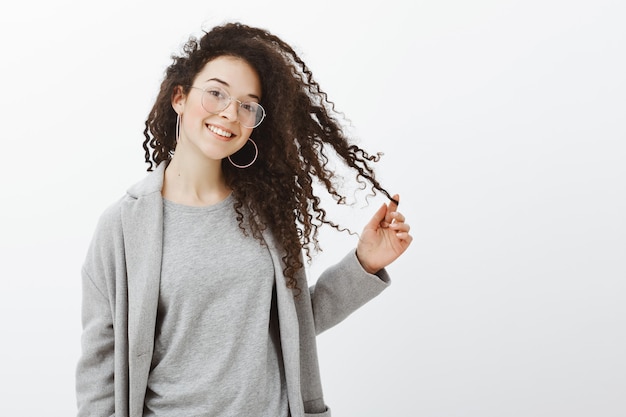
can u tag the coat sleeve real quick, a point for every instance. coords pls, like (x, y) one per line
(95, 368)
(342, 289)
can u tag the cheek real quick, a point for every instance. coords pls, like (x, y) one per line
(246, 132)
(193, 120)
(195, 113)
(242, 140)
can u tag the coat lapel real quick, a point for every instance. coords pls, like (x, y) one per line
(142, 223)
(289, 331)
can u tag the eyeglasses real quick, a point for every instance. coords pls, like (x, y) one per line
(216, 100)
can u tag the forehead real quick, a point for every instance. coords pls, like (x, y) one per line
(240, 76)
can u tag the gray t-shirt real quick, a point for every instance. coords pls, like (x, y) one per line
(216, 352)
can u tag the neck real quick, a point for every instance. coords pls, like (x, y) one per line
(194, 181)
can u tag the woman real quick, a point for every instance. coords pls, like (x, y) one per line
(195, 299)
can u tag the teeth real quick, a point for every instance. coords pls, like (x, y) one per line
(220, 131)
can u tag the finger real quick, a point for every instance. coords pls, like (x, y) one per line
(400, 227)
(398, 217)
(404, 237)
(395, 199)
(393, 207)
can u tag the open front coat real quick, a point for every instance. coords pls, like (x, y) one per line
(120, 284)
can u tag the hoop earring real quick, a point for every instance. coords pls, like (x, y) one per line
(256, 154)
(177, 136)
(178, 117)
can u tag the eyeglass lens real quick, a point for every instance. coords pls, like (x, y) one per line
(249, 114)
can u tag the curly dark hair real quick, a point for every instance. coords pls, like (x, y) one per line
(294, 140)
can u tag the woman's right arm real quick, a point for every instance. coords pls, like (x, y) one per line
(94, 372)
(95, 369)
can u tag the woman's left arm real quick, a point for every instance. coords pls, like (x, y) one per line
(360, 275)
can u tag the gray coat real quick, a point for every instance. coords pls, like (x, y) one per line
(120, 284)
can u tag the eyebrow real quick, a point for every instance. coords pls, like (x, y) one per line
(228, 85)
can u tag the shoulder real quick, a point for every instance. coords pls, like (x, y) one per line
(150, 185)
(140, 198)
(110, 217)
(108, 230)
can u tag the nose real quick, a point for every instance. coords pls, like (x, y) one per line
(231, 111)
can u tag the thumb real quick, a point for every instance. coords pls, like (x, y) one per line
(378, 218)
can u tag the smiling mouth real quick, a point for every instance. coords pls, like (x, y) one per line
(220, 132)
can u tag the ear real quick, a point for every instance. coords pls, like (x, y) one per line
(178, 99)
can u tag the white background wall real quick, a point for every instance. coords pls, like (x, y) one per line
(502, 124)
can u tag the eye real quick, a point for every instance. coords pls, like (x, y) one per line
(217, 93)
(249, 107)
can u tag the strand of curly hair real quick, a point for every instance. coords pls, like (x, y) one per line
(295, 141)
